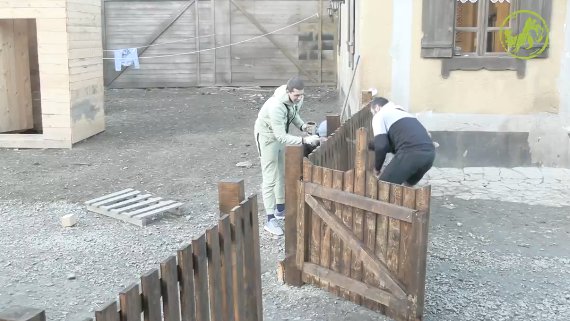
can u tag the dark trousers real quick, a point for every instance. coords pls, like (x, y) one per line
(408, 167)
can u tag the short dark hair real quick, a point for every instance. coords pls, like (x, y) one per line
(295, 83)
(379, 101)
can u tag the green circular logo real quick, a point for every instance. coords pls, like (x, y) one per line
(522, 45)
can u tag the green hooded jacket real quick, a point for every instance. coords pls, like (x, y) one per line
(276, 116)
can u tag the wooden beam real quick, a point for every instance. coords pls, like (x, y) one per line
(231, 193)
(359, 249)
(169, 22)
(357, 287)
(286, 52)
(293, 172)
(364, 203)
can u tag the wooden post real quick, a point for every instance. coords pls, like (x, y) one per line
(20, 313)
(293, 172)
(418, 251)
(231, 193)
(333, 123)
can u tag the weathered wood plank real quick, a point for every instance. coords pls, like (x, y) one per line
(186, 278)
(370, 235)
(354, 286)
(108, 313)
(293, 173)
(169, 285)
(151, 292)
(360, 202)
(200, 258)
(336, 242)
(325, 230)
(226, 262)
(315, 249)
(131, 303)
(404, 266)
(302, 231)
(214, 273)
(359, 251)
(286, 52)
(304, 220)
(382, 223)
(394, 230)
(394, 234)
(418, 252)
(237, 263)
(163, 28)
(359, 189)
(249, 263)
(347, 220)
(256, 256)
(231, 192)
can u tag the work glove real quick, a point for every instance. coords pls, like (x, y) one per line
(312, 140)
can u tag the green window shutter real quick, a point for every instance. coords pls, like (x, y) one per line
(544, 9)
(438, 24)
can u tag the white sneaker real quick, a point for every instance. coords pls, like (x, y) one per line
(279, 215)
(273, 227)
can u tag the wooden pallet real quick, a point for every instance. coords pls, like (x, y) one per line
(131, 206)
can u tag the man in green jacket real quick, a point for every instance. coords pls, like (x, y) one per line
(271, 131)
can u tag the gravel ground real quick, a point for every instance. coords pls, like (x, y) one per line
(488, 260)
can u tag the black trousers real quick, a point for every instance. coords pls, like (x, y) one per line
(408, 167)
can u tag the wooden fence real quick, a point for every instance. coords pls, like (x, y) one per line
(215, 278)
(362, 239)
(339, 150)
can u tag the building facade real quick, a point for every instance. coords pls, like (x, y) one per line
(490, 79)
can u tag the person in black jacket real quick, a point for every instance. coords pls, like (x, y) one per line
(397, 131)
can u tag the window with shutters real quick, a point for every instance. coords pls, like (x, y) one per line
(465, 34)
(477, 27)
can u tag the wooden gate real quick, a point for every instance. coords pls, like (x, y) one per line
(184, 43)
(362, 239)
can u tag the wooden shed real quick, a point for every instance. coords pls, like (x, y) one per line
(51, 72)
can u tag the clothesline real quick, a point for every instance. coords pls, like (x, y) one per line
(228, 45)
(163, 43)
